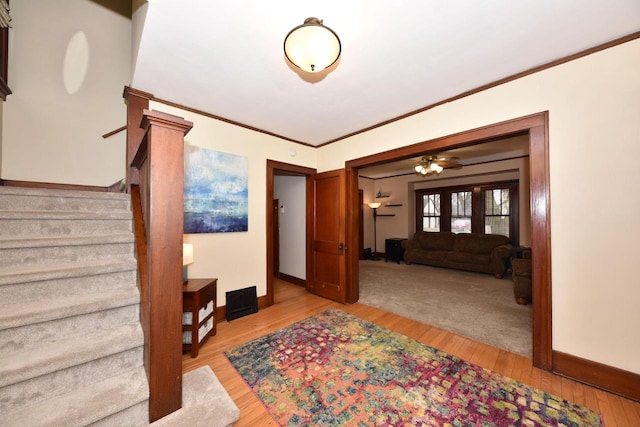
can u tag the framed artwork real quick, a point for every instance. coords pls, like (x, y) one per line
(216, 195)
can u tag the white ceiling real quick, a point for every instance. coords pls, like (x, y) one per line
(226, 57)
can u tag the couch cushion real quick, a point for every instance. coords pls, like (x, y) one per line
(470, 258)
(477, 243)
(440, 241)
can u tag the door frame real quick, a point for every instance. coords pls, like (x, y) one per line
(275, 168)
(275, 233)
(537, 127)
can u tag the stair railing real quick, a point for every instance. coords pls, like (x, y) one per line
(155, 179)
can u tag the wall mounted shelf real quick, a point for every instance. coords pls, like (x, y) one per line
(393, 204)
(386, 215)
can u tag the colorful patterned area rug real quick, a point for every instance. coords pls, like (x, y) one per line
(336, 369)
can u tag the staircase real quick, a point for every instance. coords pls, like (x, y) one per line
(71, 343)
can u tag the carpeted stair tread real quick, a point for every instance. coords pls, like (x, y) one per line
(37, 291)
(55, 193)
(18, 314)
(50, 357)
(63, 381)
(63, 223)
(86, 405)
(48, 253)
(63, 215)
(62, 328)
(39, 272)
(21, 199)
(134, 416)
(54, 241)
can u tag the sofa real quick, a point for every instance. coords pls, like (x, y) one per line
(484, 253)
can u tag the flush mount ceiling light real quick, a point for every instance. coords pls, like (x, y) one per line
(311, 46)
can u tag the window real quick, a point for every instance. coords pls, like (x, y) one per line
(461, 211)
(431, 212)
(497, 214)
(481, 208)
(5, 23)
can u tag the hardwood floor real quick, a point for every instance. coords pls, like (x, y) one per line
(293, 303)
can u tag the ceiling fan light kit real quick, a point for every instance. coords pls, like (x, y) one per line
(312, 46)
(432, 164)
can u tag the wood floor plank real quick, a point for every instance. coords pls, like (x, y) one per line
(606, 409)
(578, 393)
(466, 349)
(566, 386)
(618, 410)
(452, 344)
(523, 368)
(293, 303)
(591, 398)
(501, 363)
(485, 356)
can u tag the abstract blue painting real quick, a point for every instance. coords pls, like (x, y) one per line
(216, 195)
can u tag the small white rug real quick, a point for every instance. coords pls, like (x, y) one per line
(474, 305)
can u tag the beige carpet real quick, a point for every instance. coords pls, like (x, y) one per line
(474, 305)
(205, 402)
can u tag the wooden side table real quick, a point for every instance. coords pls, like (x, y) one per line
(198, 313)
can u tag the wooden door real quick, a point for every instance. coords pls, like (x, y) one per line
(326, 272)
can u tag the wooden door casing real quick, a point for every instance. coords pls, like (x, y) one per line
(276, 237)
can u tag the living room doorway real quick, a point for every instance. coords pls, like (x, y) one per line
(471, 304)
(536, 127)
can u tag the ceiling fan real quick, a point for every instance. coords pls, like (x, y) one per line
(430, 165)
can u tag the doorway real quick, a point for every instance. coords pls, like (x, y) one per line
(275, 169)
(536, 126)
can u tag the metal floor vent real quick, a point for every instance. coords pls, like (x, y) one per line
(241, 302)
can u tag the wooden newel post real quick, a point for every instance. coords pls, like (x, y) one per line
(137, 102)
(162, 170)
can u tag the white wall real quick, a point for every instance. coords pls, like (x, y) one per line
(238, 260)
(292, 194)
(594, 105)
(386, 226)
(67, 78)
(368, 193)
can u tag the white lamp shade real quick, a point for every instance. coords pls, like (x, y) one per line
(374, 205)
(312, 46)
(187, 254)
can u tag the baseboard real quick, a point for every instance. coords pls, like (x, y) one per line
(606, 377)
(292, 279)
(52, 186)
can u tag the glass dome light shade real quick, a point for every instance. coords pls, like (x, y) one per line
(311, 46)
